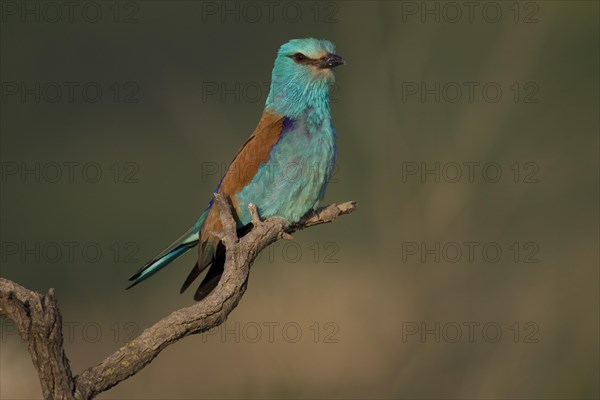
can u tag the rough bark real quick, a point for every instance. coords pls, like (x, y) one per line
(39, 322)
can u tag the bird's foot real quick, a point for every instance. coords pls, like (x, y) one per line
(256, 221)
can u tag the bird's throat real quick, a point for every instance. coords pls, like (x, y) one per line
(309, 102)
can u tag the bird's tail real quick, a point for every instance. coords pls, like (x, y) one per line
(187, 241)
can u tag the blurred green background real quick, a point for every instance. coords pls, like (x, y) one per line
(367, 307)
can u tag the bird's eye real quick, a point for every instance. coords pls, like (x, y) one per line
(299, 57)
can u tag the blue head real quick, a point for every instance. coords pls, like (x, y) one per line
(302, 76)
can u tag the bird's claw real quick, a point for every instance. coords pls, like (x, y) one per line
(254, 214)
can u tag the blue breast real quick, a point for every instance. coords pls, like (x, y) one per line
(295, 178)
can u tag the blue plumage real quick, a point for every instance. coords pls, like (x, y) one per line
(182, 245)
(290, 155)
(293, 181)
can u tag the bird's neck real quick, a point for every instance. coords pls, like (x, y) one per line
(308, 102)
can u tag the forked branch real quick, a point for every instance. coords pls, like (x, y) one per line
(39, 321)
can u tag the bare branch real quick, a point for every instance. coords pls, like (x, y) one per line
(39, 321)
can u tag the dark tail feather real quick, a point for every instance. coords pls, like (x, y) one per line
(215, 258)
(194, 273)
(213, 276)
(206, 257)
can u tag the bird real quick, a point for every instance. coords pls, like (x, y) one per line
(282, 168)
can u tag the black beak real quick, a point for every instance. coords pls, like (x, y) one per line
(331, 61)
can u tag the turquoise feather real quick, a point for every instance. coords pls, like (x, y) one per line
(300, 162)
(294, 180)
(182, 245)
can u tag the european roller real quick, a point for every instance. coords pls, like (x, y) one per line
(283, 168)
